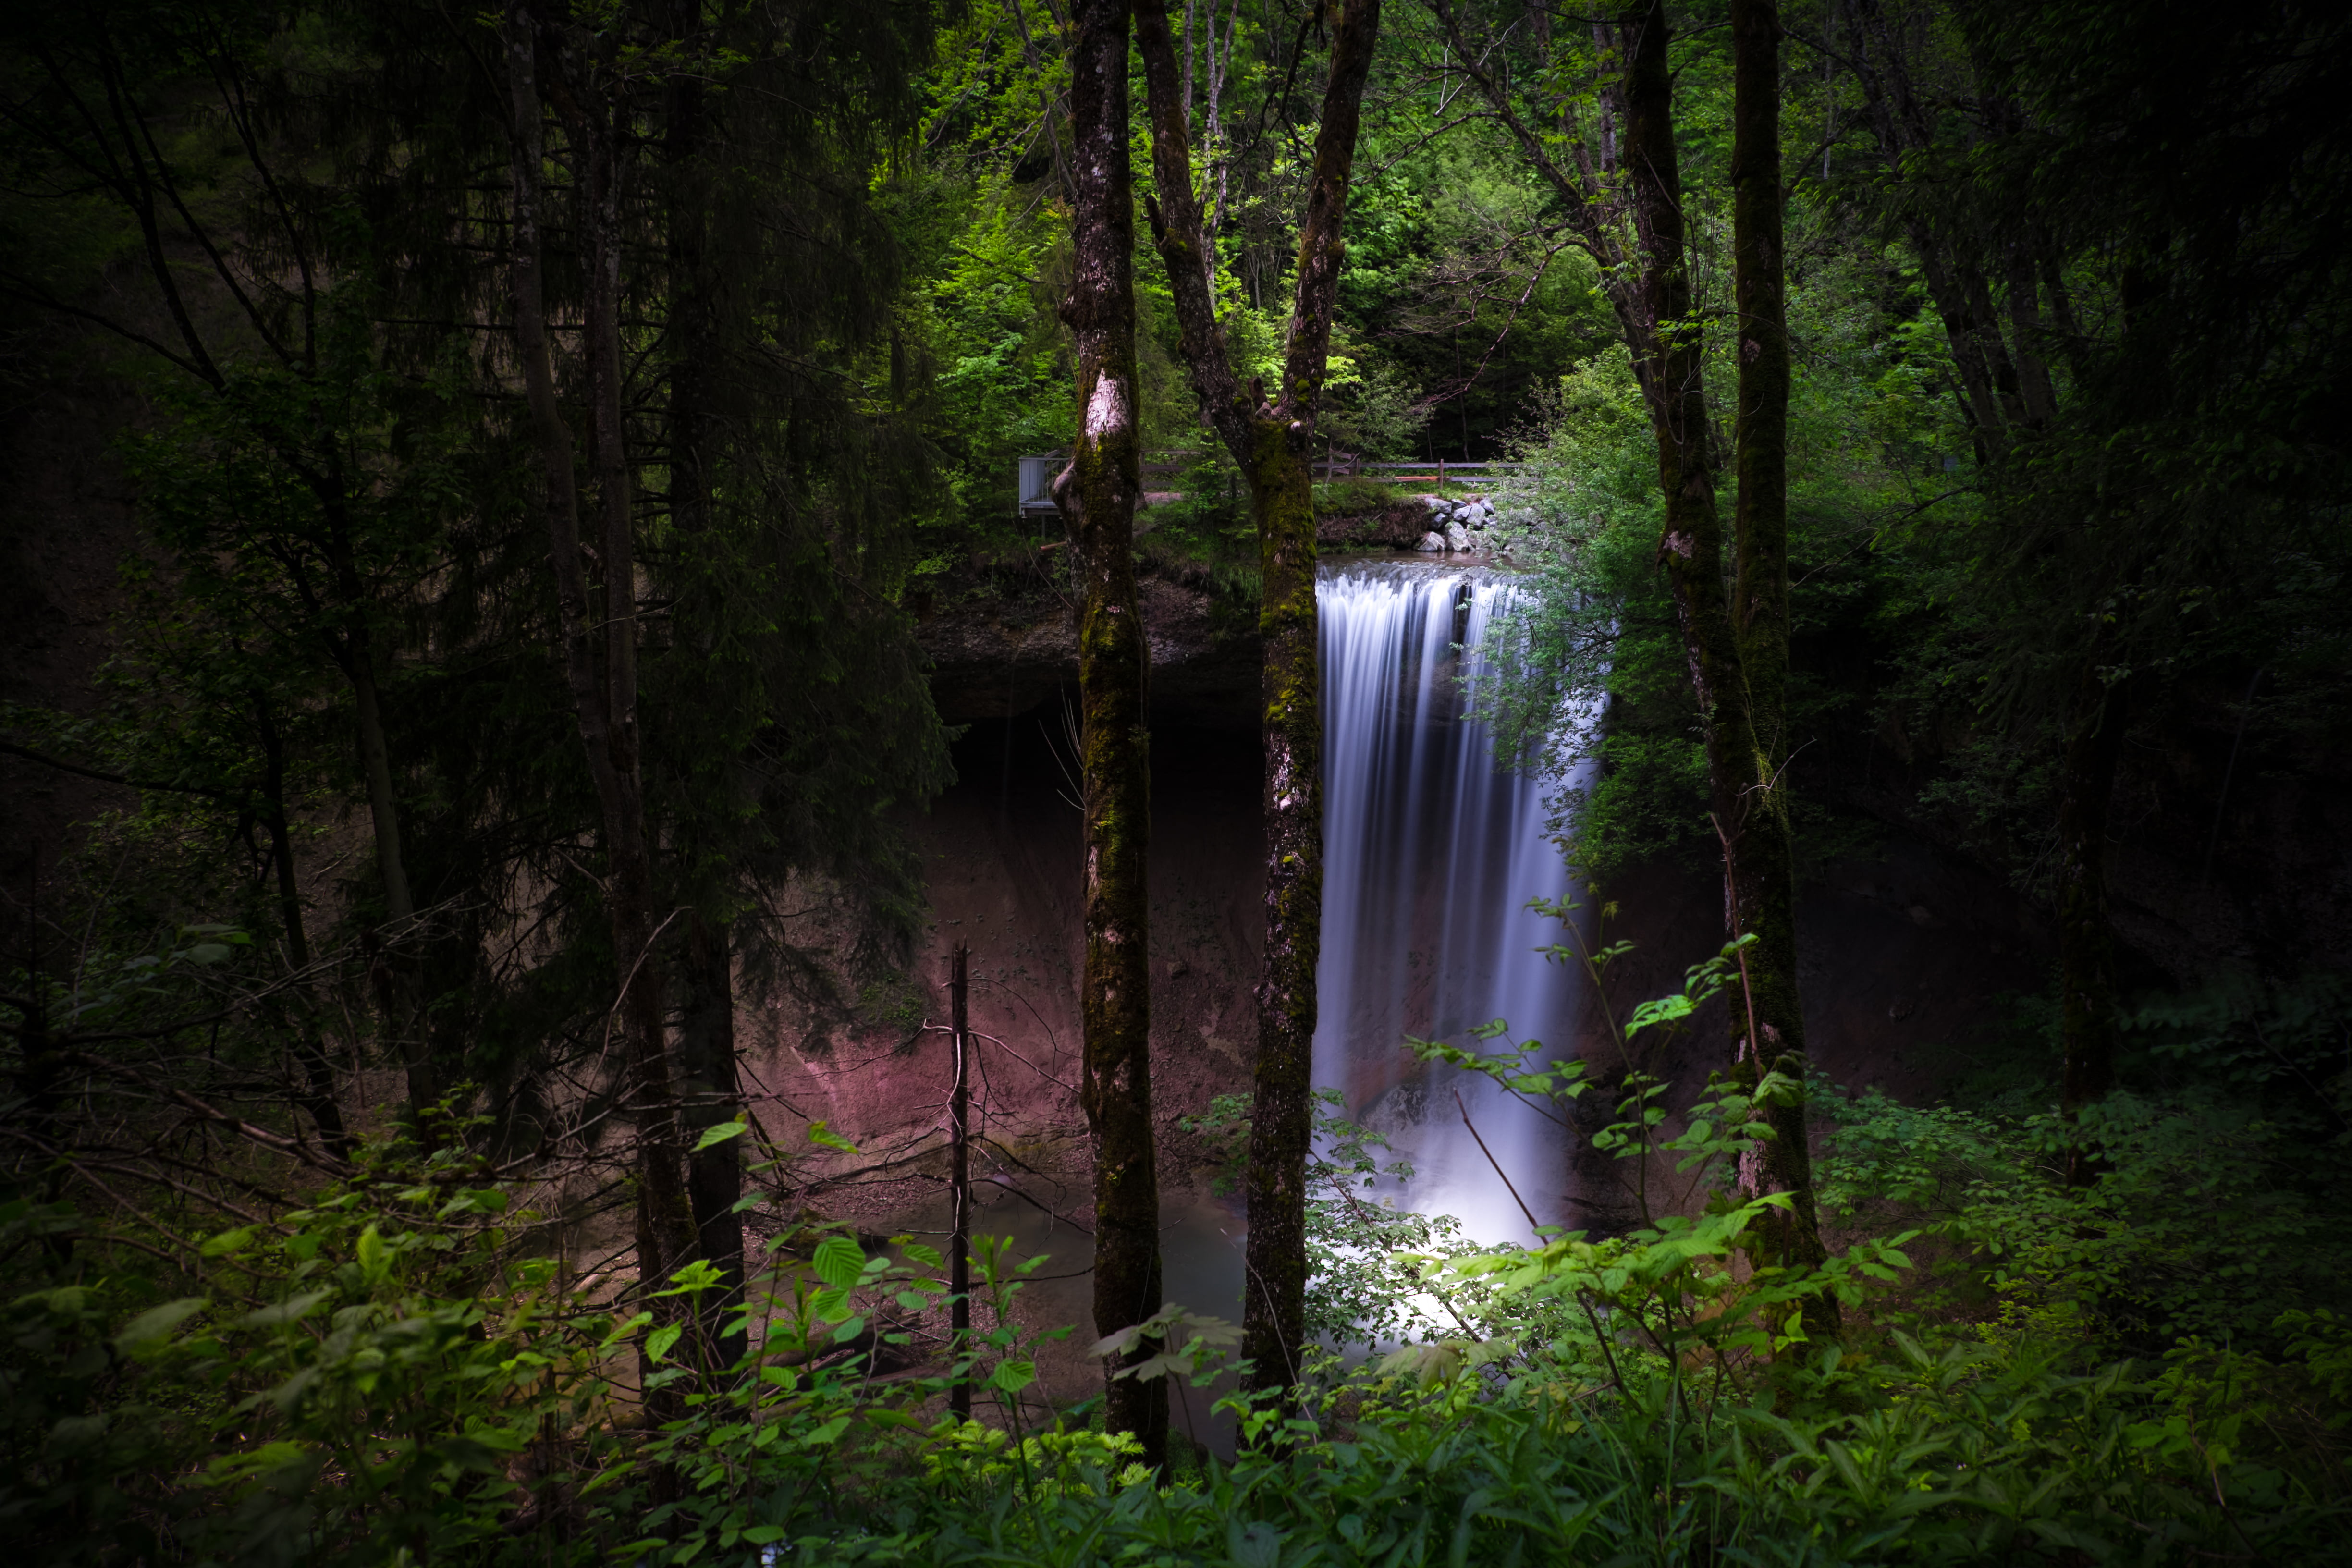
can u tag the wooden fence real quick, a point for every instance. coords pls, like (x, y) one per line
(1037, 473)
(1343, 465)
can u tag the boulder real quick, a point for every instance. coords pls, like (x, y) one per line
(1431, 541)
(1456, 536)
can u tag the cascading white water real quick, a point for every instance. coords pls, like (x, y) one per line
(1430, 856)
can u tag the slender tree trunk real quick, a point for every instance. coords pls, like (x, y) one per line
(2085, 951)
(1648, 285)
(1751, 809)
(603, 702)
(959, 1183)
(1764, 893)
(399, 996)
(1990, 393)
(318, 1072)
(709, 1082)
(1272, 437)
(1097, 493)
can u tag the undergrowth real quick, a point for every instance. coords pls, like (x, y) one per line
(397, 1371)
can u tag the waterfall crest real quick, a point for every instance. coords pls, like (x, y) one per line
(1430, 856)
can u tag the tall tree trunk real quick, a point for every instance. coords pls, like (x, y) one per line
(1272, 437)
(318, 1090)
(2086, 1021)
(399, 995)
(1098, 494)
(712, 1088)
(603, 702)
(710, 1083)
(1990, 392)
(1647, 283)
(1764, 891)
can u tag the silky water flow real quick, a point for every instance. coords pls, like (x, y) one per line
(1431, 856)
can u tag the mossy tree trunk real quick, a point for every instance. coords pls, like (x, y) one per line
(1621, 189)
(1763, 887)
(1272, 437)
(1098, 494)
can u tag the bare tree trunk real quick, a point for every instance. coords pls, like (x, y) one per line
(603, 702)
(317, 1091)
(960, 1181)
(708, 1080)
(1272, 437)
(1991, 394)
(1097, 493)
(399, 993)
(2085, 951)
(1764, 895)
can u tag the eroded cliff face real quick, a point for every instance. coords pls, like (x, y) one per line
(1910, 956)
(996, 656)
(1000, 857)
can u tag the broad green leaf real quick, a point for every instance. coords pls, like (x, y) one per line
(292, 1309)
(712, 1136)
(226, 1242)
(376, 1259)
(146, 1332)
(659, 1343)
(1664, 1010)
(839, 1262)
(819, 1134)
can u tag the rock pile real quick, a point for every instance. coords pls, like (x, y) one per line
(1457, 525)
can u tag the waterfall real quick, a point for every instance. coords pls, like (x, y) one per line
(1430, 855)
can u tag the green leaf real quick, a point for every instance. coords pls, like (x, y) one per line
(1013, 1376)
(712, 1136)
(659, 1343)
(226, 1242)
(375, 1258)
(144, 1332)
(1664, 1010)
(839, 1262)
(827, 1433)
(292, 1309)
(819, 1134)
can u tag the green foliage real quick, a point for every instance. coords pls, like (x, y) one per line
(355, 1382)
(1364, 1274)
(384, 1374)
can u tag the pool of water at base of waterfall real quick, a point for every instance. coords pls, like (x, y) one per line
(1431, 856)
